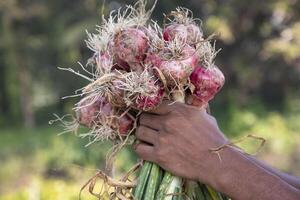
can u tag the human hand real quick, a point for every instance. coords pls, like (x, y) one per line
(178, 137)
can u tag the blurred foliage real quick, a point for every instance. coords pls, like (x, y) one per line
(39, 161)
(260, 57)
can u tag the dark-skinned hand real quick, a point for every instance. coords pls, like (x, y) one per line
(178, 137)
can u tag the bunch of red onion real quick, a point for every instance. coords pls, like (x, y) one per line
(136, 64)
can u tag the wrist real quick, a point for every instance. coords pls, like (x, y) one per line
(239, 178)
(224, 168)
(228, 172)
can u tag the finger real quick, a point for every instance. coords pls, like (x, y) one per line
(146, 134)
(208, 109)
(150, 121)
(164, 108)
(145, 151)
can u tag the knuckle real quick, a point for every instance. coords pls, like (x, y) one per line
(140, 151)
(187, 109)
(160, 156)
(162, 140)
(168, 123)
(177, 105)
(183, 110)
(213, 119)
(142, 117)
(137, 149)
(139, 131)
(142, 129)
(182, 106)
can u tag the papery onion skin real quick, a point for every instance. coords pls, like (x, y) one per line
(116, 95)
(125, 125)
(87, 112)
(153, 60)
(131, 45)
(103, 62)
(207, 82)
(92, 113)
(121, 65)
(190, 33)
(151, 101)
(175, 30)
(177, 71)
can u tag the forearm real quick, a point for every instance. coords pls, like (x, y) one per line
(240, 178)
(294, 181)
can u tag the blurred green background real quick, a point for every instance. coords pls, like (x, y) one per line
(260, 59)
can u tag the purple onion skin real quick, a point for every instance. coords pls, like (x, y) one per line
(177, 71)
(91, 114)
(131, 45)
(175, 30)
(151, 101)
(207, 82)
(190, 33)
(121, 65)
(153, 60)
(87, 113)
